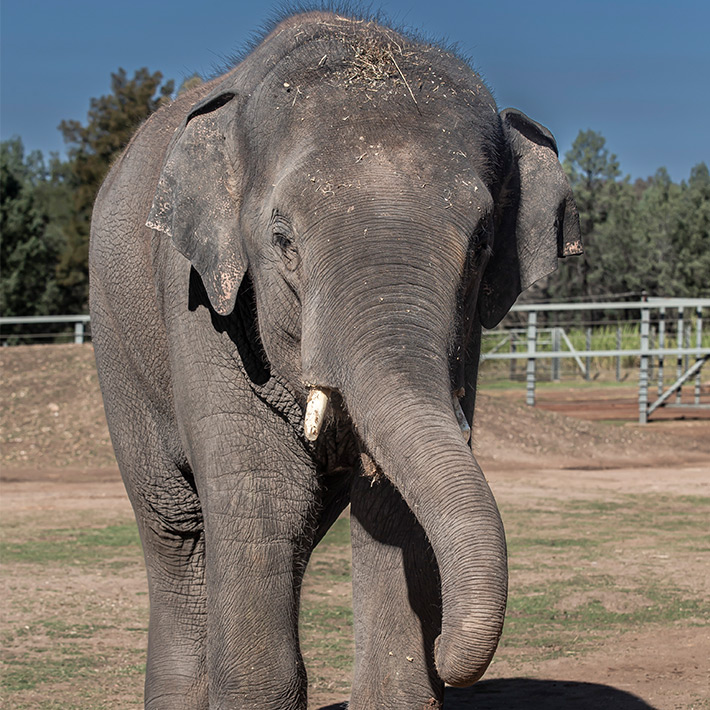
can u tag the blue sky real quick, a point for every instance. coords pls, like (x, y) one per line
(636, 71)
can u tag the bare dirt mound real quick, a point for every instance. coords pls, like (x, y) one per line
(52, 413)
(507, 430)
(52, 416)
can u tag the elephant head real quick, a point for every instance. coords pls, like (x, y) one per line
(384, 210)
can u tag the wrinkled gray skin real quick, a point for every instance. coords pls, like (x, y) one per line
(344, 209)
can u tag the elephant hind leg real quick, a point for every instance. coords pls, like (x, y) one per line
(170, 522)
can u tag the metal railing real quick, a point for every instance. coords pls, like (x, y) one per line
(80, 322)
(689, 360)
(682, 351)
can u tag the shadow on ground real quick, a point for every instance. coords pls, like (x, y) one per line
(513, 693)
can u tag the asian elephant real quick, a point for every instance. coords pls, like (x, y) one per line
(317, 236)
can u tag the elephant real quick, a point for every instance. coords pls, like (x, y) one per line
(290, 269)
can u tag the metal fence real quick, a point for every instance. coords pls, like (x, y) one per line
(667, 328)
(668, 339)
(26, 329)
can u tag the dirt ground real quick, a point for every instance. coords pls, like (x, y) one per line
(549, 472)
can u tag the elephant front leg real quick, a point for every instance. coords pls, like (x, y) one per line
(396, 603)
(259, 529)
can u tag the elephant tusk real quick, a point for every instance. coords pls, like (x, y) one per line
(461, 418)
(316, 408)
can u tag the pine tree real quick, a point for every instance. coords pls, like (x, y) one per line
(28, 248)
(692, 239)
(614, 244)
(592, 172)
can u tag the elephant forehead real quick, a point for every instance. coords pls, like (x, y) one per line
(365, 162)
(381, 189)
(340, 121)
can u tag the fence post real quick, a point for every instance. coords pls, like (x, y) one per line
(555, 369)
(513, 349)
(679, 359)
(698, 344)
(532, 342)
(588, 359)
(661, 345)
(643, 371)
(79, 332)
(618, 357)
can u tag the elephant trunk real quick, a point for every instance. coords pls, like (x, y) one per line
(415, 439)
(378, 324)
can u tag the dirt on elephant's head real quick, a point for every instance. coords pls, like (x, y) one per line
(373, 61)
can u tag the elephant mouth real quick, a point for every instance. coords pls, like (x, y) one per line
(319, 401)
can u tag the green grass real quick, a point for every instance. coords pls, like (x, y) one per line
(536, 616)
(555, 542)
(82, 547)
(25, 671)
(326, 617)
(330, 570)
(489, 380)
(64, 644)
(53, 628)
(629, 513)
(337, 536)
(62, 663)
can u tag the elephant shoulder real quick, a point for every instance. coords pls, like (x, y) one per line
(140, 162)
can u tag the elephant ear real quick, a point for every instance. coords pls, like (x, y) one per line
(539, 222)
(198, 198)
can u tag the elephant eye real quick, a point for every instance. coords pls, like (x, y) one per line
(282, 238)
(283, 241)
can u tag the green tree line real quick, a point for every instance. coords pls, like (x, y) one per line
(45, 207)
(650, 235)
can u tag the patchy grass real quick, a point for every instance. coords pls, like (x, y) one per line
(76, 621)
(593, 569)
(583, 571)
(337, 536)
(79, 547)
(64, 663)
(326, 620)
(75, 615)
